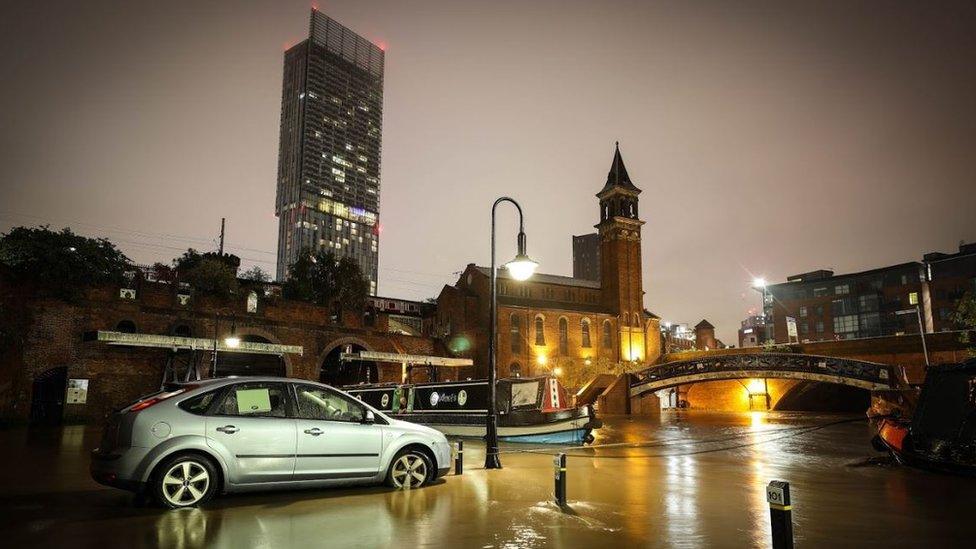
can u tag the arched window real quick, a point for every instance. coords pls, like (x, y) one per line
(126, 327)
(516, 333)
(515, 370)
(540, 334)
(563, 336)
(607, 335)
(585, 332)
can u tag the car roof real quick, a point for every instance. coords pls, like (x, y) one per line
(215, 381)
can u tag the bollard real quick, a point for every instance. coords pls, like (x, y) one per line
(458, 457)
(780, 514)
(559, 464)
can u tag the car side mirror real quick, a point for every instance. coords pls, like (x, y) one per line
(369, 417)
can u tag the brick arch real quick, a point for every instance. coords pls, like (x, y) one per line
(331, 346)
(243, 331)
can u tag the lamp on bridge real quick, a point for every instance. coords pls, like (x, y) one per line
(520, 268)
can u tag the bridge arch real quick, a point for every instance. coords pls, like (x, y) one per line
(854, 373)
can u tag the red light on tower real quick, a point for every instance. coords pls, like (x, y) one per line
(315, 6)
(381, 45)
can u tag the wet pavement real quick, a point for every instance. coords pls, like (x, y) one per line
(683, 479)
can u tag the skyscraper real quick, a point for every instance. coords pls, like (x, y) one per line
(586, 256)
(329, 147)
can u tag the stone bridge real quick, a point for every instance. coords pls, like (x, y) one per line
(854, 373)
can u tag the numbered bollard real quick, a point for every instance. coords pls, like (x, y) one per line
(780, 514)
(458, 457)
(559, 465)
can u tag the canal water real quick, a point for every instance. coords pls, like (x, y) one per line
(681, 479)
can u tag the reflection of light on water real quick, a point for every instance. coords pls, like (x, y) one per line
(758, 422)
(681, 498)
(182, 528)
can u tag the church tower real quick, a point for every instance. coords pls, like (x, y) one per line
(620, 259)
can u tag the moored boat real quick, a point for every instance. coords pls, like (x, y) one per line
(535, 410)
(941, 434)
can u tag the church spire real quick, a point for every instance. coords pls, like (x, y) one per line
(618, 174)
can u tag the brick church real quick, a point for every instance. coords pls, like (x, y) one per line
(559, 324)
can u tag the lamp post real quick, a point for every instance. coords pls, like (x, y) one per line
(921, 329)
(231, 341)
(520, 268)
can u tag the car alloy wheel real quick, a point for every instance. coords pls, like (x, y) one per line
(185, 483)
(409, 471)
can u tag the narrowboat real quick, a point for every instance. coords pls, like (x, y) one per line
(941, 434)
(533, 410)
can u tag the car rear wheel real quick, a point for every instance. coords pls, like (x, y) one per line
(409, 469)
(185, 481)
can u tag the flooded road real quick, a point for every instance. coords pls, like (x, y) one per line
(682, 479)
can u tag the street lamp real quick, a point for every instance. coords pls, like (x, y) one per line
(921, 329)
(520, 268)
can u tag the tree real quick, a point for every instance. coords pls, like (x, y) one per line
(965, 317)
(208, 273)
(60, 263)
(211, 276)
(255, 274)
(324, 279)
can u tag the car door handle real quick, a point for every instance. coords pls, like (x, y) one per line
(229, 429)
(314, 431)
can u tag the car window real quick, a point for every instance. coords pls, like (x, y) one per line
(199, 404)
(254, 400)
(318, 403)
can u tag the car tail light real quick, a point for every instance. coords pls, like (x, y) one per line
(157, 398)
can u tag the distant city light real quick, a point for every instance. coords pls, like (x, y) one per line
(758, 282)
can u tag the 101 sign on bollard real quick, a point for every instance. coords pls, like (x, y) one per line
(780, 514)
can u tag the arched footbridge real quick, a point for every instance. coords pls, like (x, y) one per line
(855, 373)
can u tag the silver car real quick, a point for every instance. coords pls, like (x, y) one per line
(188, 442)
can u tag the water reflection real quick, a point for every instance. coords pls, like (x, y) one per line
(678, 479)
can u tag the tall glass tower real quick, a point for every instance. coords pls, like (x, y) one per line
(329, 147)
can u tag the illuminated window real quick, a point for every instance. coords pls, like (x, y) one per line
(913, 298)
(516, 333)
(585, 332)
(563, 336)
(540, 334)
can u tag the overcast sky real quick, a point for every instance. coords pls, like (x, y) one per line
(769, 138)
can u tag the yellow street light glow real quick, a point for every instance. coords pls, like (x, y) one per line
(557, 371)
(232, 341)
(541, 359)
(521, 268)
(756, 387)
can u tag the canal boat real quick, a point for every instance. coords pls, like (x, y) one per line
(941, 434)
(533, 410)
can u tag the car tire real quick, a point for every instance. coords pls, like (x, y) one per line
(410, 468)
(185, 480)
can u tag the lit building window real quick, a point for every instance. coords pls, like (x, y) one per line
(563, 336)
(516, 333)
(540, 334)
(913, 298)
(585, 329)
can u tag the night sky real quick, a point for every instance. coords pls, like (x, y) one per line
(769, 139)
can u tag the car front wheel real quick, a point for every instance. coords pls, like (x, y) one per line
(185, 481)
(409, 469)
